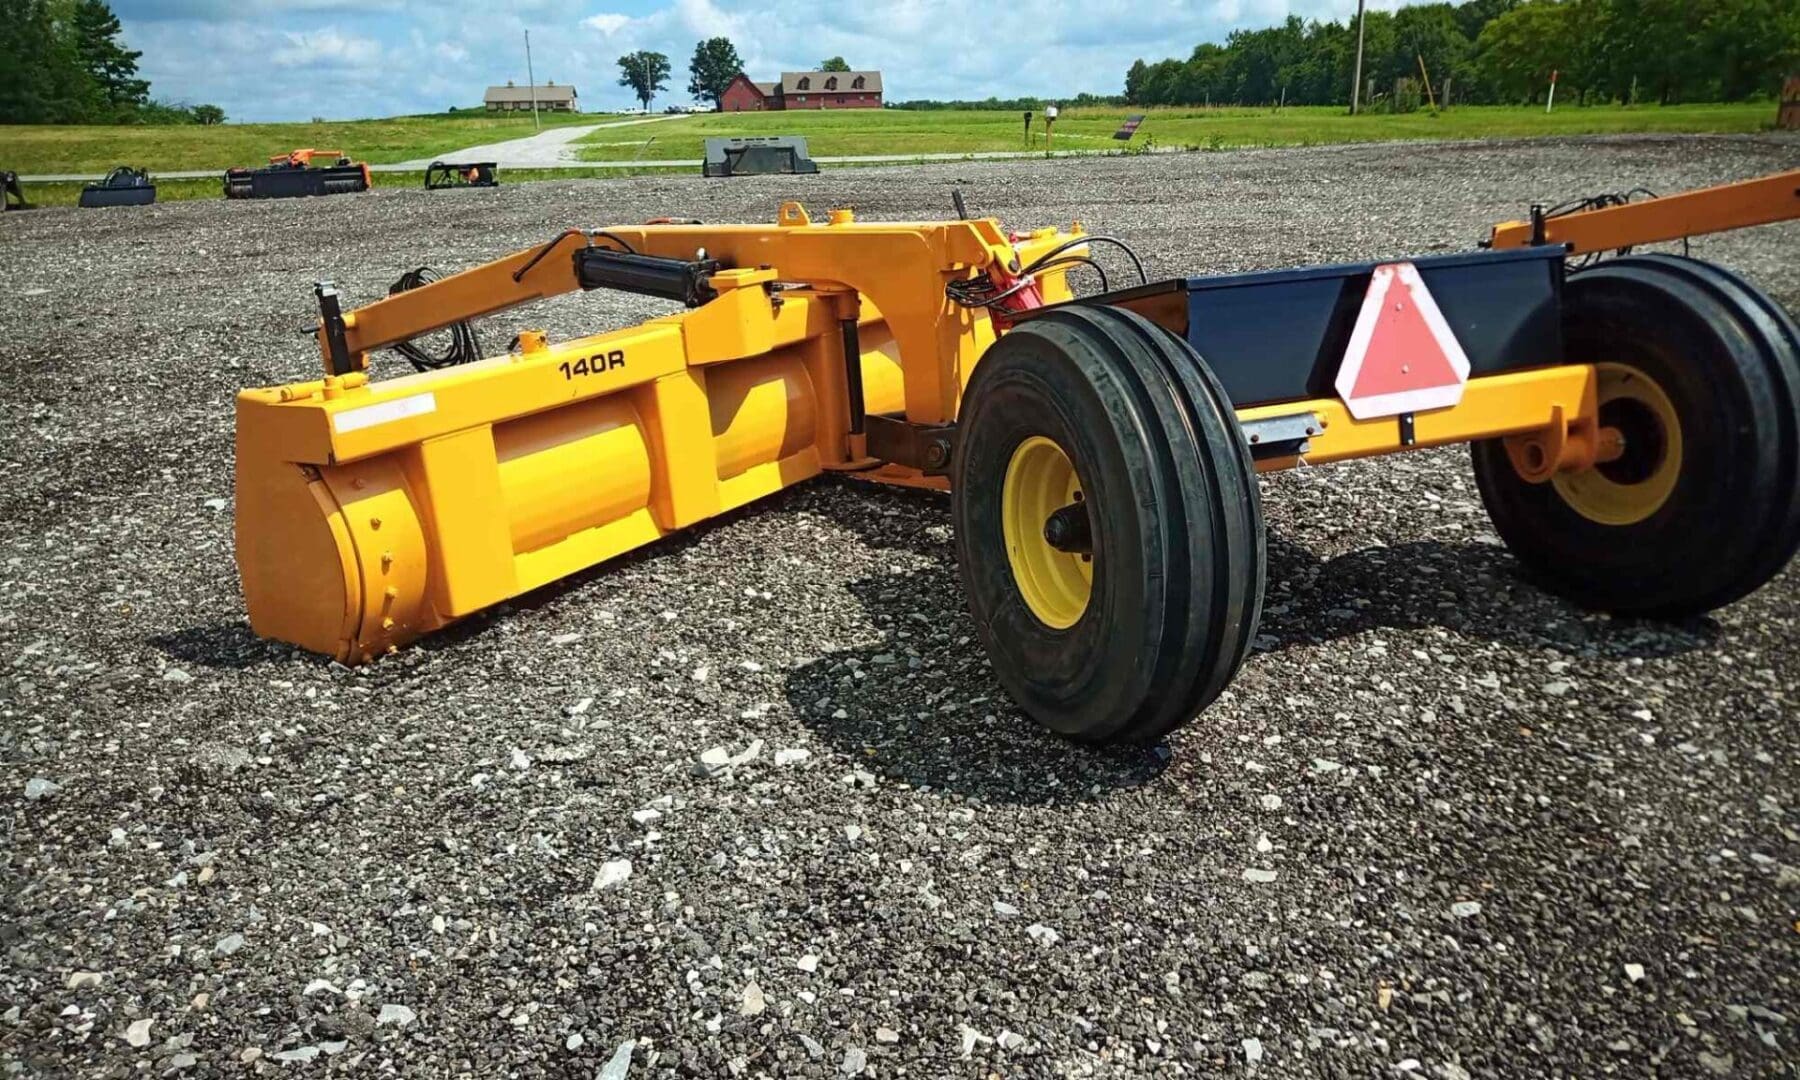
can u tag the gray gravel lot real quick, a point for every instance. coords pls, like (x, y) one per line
(1443, 824)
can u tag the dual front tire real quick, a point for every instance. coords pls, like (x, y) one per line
(1107, 524)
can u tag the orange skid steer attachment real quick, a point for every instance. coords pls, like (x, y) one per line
(372, 513)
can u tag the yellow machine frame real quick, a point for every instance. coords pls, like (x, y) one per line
(370, 513)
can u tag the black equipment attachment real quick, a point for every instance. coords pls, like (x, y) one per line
(124, 186)
(14, 195)
(460, 174)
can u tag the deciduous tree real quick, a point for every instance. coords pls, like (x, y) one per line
(714, 65)
(645, 72)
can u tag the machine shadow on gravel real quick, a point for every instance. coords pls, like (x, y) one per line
(939, 719)
(224, 645)
(1471, 589)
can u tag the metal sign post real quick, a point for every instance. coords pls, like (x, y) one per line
(531, 84)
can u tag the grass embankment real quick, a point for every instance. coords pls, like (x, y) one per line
(894, 131)
(36, 149)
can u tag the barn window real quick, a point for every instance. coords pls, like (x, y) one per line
(803, 84)
(857, 83)
(831, 83)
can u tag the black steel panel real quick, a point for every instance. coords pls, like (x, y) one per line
(1280, 335)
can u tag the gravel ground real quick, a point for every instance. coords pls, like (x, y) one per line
(1443, 824)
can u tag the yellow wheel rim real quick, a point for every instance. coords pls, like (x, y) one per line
(1637, 484)
(1056, 584)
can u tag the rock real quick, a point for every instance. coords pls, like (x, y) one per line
(856, 1059)
(1326, 765)
(249, 1054)
(228, 945)
(1042, 934)
(713, 760)
(1005, 910)
(1264, 845)
(1634, 972)
(853, 833)
(1259, 876)
(1009, 1040)
(749, 753)
(1717, 1065)
(298, 1053)
(317, 985)
(138, 1034)
(792, 756)
(645, 816)
(808, 963)
(1271, 802)
(1253, 1051)
(619, 1064)
(1557, 688)
(753, 1003)
(82, 980)
(1465, 909)
(438, 925)
(574, 1041)
(886, 1035)
(579, 707)
(39, 787)
(176, 675)
(565, 639)
(520, 760)
(813, 1049)
(612, 874)
(397, 1015)
(214, 504)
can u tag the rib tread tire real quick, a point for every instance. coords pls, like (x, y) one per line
(1178, 592)
(1733, 519)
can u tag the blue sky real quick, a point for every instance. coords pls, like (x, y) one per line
(342, 59)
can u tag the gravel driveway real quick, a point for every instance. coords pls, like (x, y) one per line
(1443, 824)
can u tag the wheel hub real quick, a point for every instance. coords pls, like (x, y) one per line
(1049, 536)
(1635, 482)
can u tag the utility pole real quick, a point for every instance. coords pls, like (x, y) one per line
(531, 83)
(1356, 83)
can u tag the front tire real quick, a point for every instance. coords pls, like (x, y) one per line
(1700, 372)
(1108, 528)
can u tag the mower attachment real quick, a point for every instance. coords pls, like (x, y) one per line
(293, 174)
(124, 186)
(453, 174)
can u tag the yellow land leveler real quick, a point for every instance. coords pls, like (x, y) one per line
(1635, 425)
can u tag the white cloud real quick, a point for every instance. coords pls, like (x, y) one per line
(607, 23)
(325, 48)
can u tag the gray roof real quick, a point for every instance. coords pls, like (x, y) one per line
(545, 92)
(846, 82)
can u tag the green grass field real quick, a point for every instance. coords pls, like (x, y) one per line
(79, 149)
(894, 131)
(39, 149)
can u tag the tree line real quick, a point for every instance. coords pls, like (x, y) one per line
(64, 63)
(1496, 51)
(710, 70)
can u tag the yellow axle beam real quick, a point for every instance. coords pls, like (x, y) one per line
(1669, 217)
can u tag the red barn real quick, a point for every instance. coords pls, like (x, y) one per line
(804, 90)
